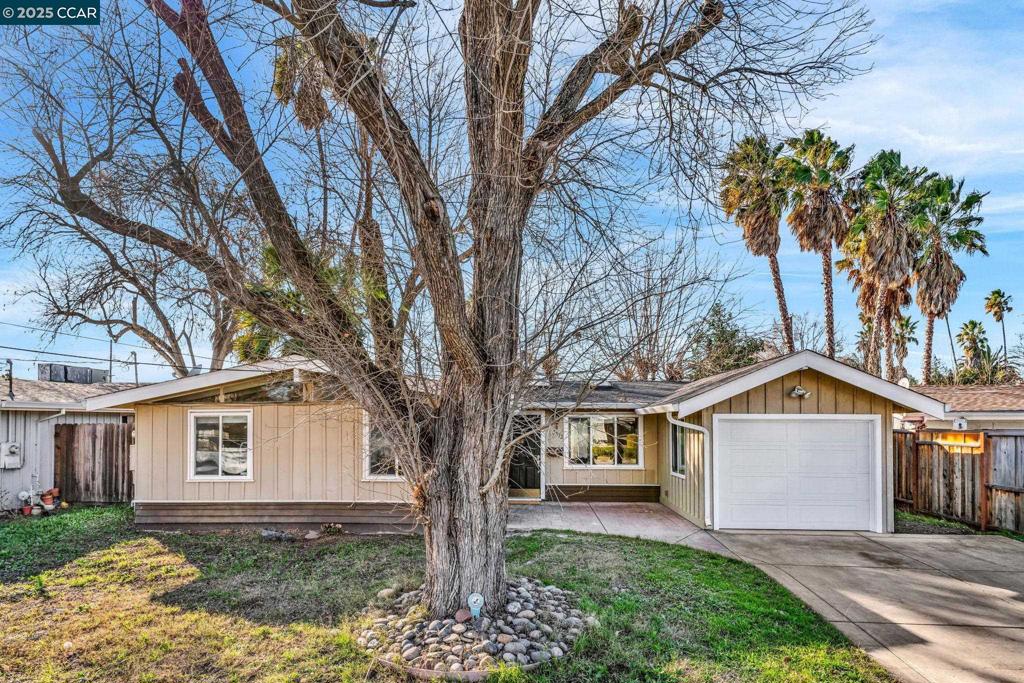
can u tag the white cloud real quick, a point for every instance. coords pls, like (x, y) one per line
(947, 98)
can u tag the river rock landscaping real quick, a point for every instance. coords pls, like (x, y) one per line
(538, 623)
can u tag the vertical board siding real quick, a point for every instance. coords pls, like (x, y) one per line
(301, 452)
(34, 430)
(829, 396)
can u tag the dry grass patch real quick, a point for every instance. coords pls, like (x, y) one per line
(227, 607)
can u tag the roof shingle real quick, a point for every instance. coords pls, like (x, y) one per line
(977, 398)
(36, 391)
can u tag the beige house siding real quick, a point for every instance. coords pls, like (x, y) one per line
(558, 473)
(829, 396)
(301, 452)
(685, 494)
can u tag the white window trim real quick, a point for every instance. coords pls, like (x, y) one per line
(191, 449)
(569, 465)
(672, 448)
(367, 475)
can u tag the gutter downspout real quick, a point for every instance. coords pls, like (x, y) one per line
(678, 421)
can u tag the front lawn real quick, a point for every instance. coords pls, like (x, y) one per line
(225, 607)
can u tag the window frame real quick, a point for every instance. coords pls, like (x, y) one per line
(675, 431)
(567, 457)
(191, 449)
(368, 474)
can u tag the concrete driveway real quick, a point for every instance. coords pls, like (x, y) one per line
(928, 608)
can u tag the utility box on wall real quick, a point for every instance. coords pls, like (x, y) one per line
(11, 456)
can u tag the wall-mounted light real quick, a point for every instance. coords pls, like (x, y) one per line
(799, 392)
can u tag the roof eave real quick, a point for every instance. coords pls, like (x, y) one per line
(187, 385)
(802, 361)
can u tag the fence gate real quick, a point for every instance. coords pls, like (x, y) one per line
(977, 478)
(91, 462)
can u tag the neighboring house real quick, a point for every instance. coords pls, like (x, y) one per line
(973, 407)
(796, 442)
(28, 420)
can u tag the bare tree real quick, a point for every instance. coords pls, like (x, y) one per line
(668, 301)
(127, 288)
(507, 146)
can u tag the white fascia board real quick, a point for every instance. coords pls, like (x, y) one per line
(49, 406)
(994, 416)
(185, 385)
(801, 361)
(572, 405)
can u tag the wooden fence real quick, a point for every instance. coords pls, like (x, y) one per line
(977, 478)
(91, 462)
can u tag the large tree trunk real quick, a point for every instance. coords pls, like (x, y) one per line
(464, 518)
(826, 280)
(874, 352)
(780, 296)
(926, 364)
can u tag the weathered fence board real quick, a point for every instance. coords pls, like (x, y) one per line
(91, 462)
(970, 477)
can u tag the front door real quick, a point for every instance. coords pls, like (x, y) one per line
(524, 475)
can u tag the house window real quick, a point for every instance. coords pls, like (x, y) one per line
(380, 461)
(220, 446)
(604, 441)
(679, 443)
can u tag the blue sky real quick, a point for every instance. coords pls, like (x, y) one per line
(945, 89)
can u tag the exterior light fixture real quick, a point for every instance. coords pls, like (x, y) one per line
(475, 602)
(799, 392)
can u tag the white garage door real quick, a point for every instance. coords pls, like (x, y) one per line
(786, 472)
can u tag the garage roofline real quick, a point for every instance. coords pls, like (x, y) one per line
(783, 365)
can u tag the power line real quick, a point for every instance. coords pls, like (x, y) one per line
(76, 356)
(83, 336)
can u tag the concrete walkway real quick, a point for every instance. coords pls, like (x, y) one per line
(928, 608)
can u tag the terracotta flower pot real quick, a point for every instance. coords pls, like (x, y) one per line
(26, 510)
(47, 498)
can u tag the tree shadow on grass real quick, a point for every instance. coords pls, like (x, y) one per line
(276, 583)
(30, 545)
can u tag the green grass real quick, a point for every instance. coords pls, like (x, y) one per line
(913, 522)
(228, 607)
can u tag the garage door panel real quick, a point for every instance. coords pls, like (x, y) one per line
(795, 473)
(837, 487)
(758, 432)
(826, 516)
(752, 459)
(825, 460)
(758, 516)
(767, 487)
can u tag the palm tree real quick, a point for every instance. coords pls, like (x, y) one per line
(998, 305)
(754, 195)
(904, 332)
(950, 227)
(973, 341)
(816, 173)
(886, 232)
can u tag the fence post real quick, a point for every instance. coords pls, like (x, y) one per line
(914, 474)
(983, 499)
